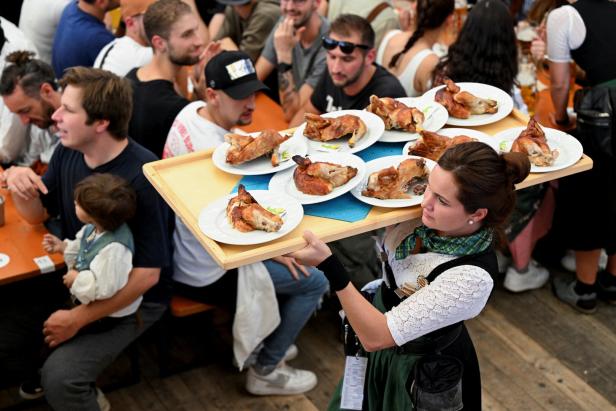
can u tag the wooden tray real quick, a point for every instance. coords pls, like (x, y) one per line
(189, 183)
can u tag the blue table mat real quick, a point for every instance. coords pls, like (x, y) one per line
(344, 208)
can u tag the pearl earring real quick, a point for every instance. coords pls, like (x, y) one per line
(471, 222)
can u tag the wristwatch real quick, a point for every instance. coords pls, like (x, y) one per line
(284, 67)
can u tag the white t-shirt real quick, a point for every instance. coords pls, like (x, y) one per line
(122, 55)
(108, 273)
(14, 136)
(39, 20)
(191, 132)
(192, 265)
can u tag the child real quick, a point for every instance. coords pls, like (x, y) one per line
(99, 259)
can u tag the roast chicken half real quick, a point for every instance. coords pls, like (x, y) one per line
(245, 214)
(432, 145)
(533, 143)
(246, 148)
(395, 182)
(461, 104)
(320, 178)
(331, 128)
(396, 115)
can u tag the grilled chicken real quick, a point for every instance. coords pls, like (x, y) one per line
(396, 115)
(245, 214)
(476, 105)
(394, 183)
(246, 148)
(533, 143)
(432, 145)
(320, 178)
(331, 128)
(461, 104)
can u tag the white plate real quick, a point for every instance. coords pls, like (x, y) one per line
(263, 164)
(380, 164)
(213, 220)
(435, 112)
(452, 132)
(283, 182)
(374, 131)
(505, 104)
(569, 148)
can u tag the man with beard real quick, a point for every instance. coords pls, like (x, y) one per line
(172, 30)
(294, 49)
(29, 90)
(131, 50)
(81, 34)
(230, 101)
(352, 75)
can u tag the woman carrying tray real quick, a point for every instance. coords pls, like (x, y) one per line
(437, 274)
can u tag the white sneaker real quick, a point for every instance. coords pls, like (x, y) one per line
(568, 261)
(284, 380)
(103, 402)
(535, 277)
(291, 353)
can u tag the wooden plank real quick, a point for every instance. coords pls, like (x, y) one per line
(190, 182)
(559, 376)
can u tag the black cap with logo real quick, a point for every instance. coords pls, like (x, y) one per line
(233, 73)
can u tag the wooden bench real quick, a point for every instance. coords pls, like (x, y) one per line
(183, 307)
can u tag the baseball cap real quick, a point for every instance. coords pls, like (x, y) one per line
(233, 2)
(130, 8)
(233, 73)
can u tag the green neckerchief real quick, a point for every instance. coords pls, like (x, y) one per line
(429, 240)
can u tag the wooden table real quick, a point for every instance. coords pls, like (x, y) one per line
(22, 242)
(188, 183)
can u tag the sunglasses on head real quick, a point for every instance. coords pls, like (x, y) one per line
(345, 46)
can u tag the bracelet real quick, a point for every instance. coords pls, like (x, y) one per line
(335, 273)
(284, 67)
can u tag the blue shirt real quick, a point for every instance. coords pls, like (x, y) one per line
(79, 38)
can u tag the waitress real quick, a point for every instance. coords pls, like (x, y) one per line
(437, 274)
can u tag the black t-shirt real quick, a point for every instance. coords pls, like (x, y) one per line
(150, 223)
(327, 97)
(155, 105)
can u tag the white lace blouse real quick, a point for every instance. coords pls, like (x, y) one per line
(455, 295)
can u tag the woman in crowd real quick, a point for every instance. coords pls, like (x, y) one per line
(417, 311)
(581, 32)
(408, 54)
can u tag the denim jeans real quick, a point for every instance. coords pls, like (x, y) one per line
(297, 300)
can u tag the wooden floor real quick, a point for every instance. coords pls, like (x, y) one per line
(535, 354)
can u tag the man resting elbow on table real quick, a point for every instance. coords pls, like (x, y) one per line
(93, 123)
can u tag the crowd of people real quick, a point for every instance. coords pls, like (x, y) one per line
(84, 108)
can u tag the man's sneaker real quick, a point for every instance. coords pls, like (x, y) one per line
(568, 261)
(565, 291)
(284, 380)
(604, 291)
(289, 355)
(31, 390)
(103, 402)
(535, 277)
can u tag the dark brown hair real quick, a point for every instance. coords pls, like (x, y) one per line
(431, 14)
(104, 96)
(26, 72)
(347, 24)
(161, 15)
(486, 179)
(108, 199)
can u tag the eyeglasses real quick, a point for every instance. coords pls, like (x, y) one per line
(345, 46)
(296, 2)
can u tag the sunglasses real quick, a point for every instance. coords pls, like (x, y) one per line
(345, 46)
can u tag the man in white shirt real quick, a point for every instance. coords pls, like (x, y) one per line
(39, 20)
(132, 50)
(230, 101)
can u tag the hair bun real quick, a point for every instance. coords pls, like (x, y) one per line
(517, 166)
(20, 57)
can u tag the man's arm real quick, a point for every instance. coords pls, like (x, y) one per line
(292, 100)
(62, 325)
(307, 107)
(264, 68)
(25, 187)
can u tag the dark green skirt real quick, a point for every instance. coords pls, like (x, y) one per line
(388, 371)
